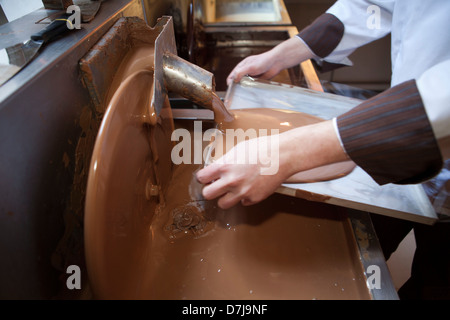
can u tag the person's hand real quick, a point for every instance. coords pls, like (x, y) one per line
(253, 169)
(248, 173)
(263, 66)
(268, 64)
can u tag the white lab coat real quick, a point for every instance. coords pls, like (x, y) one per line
(420, 47)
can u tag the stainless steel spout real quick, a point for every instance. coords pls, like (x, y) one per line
(174, 74)
(193, 83)
(188, 80)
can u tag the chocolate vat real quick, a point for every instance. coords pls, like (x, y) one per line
(150, 235)
(45, 166)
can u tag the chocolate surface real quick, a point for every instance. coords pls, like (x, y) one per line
(150, 234)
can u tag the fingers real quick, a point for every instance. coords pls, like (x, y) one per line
(236, 75)
(218, 187)
(248, 66)
(247, 202)
(269, 74)
(215, 189)
(209, 174)
(230, 78)
(229, 196)
(230, 187)
(239, 70)
(228, 200)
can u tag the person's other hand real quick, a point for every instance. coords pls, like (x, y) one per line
(263, 66)
(268, 64)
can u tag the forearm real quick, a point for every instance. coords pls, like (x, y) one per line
(388, 136)
(309, 147)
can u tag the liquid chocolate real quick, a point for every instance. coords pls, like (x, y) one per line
(172, 244)
(281, 248)
(221, 113)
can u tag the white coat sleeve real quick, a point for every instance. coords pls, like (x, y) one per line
(364, 21)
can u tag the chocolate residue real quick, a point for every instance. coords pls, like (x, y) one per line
(188, 218)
